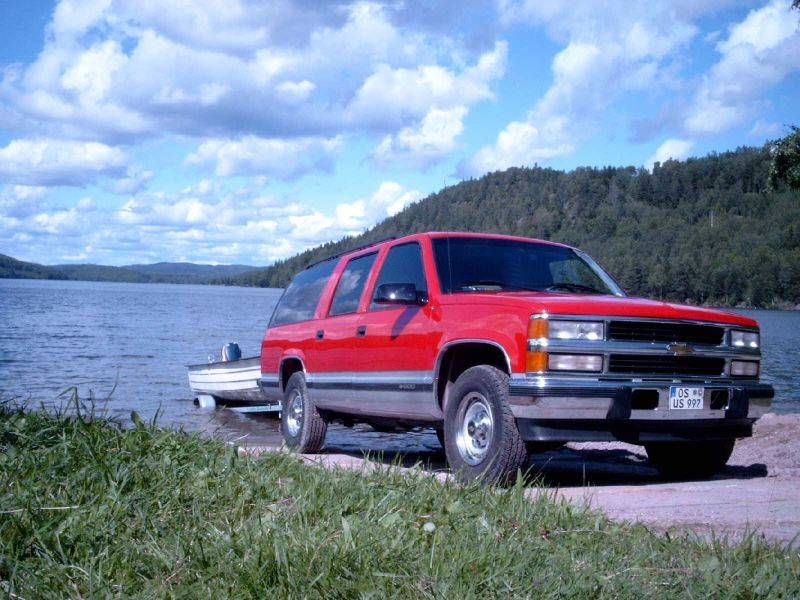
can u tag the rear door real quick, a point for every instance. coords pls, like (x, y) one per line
(330, 382)
(396, 345)
(291, 328)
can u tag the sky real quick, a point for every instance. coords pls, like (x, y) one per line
(239, 131)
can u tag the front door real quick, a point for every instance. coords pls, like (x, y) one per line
(395, 345)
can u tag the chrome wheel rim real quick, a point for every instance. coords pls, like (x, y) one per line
(475, 428)
(294, 414)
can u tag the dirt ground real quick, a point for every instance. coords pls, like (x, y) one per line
(758, 491)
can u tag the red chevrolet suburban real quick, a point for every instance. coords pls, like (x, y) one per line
(507, 345)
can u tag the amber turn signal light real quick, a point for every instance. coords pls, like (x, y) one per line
(536, 362)
(537, 329)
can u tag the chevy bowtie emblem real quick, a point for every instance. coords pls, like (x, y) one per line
(680, 348)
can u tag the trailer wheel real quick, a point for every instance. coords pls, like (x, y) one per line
(302, 426)
(689, 460)
(482, 442)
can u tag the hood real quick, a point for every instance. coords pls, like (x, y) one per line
(615, 306)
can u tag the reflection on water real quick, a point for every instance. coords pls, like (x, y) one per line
(135, 340)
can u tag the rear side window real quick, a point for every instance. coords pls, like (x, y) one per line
(299, 301)
(351, 285)
(403, 264)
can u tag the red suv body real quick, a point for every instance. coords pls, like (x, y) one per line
(503, 344)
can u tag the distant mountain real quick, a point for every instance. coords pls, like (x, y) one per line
(190, 270)
(163, 272)
(708, 230)
(102, 273)
(11, 268)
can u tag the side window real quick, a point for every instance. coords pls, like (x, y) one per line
(299, 300)
(351, 285)
(403, 264)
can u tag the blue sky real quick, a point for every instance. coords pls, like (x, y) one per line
(238, 131)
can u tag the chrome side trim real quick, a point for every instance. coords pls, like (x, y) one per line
(377, 377)
(399, 394)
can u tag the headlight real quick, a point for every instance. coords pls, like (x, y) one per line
(744, 368)
(575, 362)
(745, 339)
(575, 330)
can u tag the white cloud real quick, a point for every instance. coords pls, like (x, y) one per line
(764, 129)
(389, 199)
(19, 201)
(610, 48)
(125, 70)
(420, 146)
(671, 149)
(58, 162)
(395, 94)
(206, 222)
(524, 143)
(296, 91)
(758, 53)
(251, 155)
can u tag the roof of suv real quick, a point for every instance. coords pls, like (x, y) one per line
(434, 234)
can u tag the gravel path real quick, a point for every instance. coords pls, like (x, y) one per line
(758, 491)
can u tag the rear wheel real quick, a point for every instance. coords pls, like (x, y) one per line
(302, 426)
(689, 460)
(481, 438)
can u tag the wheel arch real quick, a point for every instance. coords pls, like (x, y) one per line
(457, 356)
(289, 366)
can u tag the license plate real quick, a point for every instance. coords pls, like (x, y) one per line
(683, 398)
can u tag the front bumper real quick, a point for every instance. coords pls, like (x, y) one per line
(577, 408)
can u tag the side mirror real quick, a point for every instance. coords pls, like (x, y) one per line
(399, 293)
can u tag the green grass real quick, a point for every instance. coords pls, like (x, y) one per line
(93, 510)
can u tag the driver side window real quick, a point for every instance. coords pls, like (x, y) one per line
(403, 264)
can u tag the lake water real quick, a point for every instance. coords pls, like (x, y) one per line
(136, 339)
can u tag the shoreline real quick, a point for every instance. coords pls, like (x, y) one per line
(780, 307)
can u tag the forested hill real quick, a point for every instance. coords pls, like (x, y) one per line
(706, 230)
(11, 268)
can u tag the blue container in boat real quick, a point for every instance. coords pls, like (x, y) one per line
(231, 351)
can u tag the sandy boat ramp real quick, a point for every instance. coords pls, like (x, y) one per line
(758, 491)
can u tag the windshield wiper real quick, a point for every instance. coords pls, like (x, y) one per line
(573, 287)
(478, 284)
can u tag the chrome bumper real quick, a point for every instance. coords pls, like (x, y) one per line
(583, 398)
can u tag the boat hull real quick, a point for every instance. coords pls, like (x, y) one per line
(233, 383)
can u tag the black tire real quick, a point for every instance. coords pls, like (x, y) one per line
(501, 454)
(440, 436)
(303, 431)
(689, 460)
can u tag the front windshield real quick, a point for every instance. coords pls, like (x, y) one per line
(472, 264)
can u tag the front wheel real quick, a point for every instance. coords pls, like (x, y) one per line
(302, 426)
(482, 442)
(689, 460)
